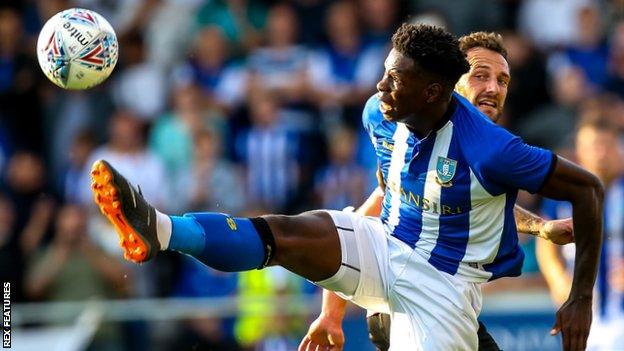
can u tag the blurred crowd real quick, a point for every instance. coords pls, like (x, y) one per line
(249, 107)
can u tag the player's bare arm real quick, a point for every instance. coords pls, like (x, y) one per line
(585, 192)
(326, 331)
(558, 231)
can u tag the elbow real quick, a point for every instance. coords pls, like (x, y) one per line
(597, 189)
(590, 193)
(589, 190)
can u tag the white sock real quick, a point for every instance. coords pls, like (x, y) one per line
(163, 229)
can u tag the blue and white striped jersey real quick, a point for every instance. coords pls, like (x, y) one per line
(450, 195)
(610, 302)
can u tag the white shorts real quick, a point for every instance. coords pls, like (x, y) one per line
(429, 309)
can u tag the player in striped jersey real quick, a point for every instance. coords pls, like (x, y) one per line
(599, 149)
(452, 178)
(485, 86)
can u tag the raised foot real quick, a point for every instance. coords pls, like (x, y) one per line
(109, 196)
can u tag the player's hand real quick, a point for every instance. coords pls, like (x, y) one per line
(324, 334)
(560, 231)
(573, 321)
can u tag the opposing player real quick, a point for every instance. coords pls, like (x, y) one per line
(452, 177)
(485, 86)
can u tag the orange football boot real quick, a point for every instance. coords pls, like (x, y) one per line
(133, 218)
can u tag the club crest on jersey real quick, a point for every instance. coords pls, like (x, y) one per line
(446, 171)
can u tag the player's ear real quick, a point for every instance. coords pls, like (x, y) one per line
(434, 92)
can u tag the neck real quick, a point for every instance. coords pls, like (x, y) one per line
(431, 119)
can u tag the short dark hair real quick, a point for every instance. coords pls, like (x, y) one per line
(433, 49)
(487, 40)
(600, 121)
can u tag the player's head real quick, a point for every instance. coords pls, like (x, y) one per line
(420, 71)
(598, 146)
(485, 85)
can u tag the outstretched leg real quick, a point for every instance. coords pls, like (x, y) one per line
(307, 244)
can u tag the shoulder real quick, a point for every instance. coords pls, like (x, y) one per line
(500, 160)
(371, 116)
(478, 136)
(469, 119)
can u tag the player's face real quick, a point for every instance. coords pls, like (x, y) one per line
(401, 89)
(485, 85)
(599, 151)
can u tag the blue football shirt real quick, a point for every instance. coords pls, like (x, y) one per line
(450, 195)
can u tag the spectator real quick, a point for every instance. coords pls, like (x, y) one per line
(608, 105)
(550, 24)
(551, 124)
(528, 89)
(590, 50)
(72, 268)
(126, 150)
(168, 30)
(281, 66)
(344, 72)
(240, 20)
(171, 137)
(26, 187)
(209, 66)
(381, 18)
(269, 153)
(211, 183)
(68, 114)
(342, 183)
(599, 150)
(139, 85)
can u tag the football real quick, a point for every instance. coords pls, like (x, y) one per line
(77, 49)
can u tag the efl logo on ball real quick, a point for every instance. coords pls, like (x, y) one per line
(77, 49)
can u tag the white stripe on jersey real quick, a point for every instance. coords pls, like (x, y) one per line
(431, 219)
(397, 162)
(487, 216)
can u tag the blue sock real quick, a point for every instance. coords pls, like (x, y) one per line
(218, 240)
